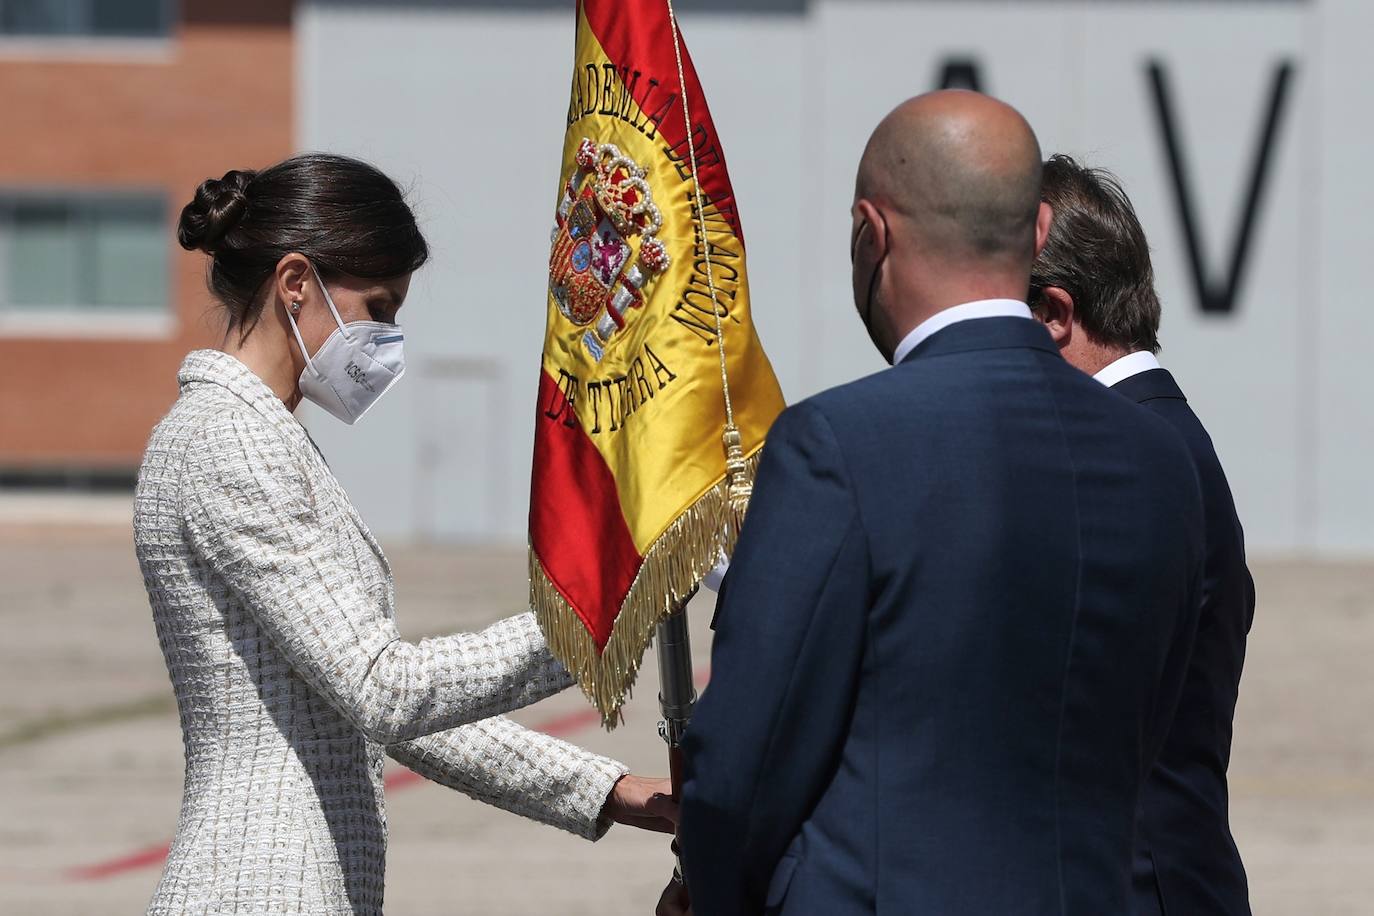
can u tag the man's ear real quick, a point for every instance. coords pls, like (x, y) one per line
(873, 226)
(290, 277)
(1043, 220)
(1054, 308)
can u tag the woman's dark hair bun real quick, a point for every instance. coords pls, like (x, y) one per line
(219, 205)
(345, 216)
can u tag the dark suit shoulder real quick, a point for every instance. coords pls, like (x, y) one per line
(1179, 415)
(1181, 418)
(975, 406)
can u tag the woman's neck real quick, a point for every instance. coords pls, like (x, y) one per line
(269, 355)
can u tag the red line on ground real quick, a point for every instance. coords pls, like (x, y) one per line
(145, 858)
(395, 781)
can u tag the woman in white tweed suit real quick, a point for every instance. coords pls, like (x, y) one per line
(273, 602)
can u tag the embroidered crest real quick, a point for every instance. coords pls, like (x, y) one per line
(595, 275)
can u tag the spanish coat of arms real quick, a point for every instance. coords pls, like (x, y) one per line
(595, 276)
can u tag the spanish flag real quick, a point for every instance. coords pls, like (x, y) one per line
(655, 393)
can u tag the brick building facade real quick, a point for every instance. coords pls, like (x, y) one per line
(100, 121)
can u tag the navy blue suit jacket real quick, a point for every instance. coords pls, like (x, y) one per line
(949, 645)
(1186, 860)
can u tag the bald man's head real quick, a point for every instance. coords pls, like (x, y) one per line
(963, 170)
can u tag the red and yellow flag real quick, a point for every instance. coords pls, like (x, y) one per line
(635, 492)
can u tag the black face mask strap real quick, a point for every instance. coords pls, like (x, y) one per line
(854, 242)
(866, 315)
(868, 299)
(867, 311)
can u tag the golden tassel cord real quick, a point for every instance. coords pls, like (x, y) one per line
(739, 477)
(673, 567)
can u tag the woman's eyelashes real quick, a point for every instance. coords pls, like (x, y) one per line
(383, 306)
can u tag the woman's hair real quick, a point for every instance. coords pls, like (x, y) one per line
(344, 215)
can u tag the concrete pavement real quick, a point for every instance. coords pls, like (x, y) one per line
(90, 751)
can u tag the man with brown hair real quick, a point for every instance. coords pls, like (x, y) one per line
(1093, 287)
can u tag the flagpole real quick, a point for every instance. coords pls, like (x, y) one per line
(676, 695)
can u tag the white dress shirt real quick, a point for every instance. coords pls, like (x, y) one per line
(983, 308)
(1127, 366)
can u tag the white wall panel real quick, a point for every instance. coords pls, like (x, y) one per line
(1241, 371)
(465, 106)
(1335, 299)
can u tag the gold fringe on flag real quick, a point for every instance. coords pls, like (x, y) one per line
(672, 568)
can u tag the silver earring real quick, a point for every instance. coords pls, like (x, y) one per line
(296, 307)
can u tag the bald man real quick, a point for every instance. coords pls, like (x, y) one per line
(955, 626)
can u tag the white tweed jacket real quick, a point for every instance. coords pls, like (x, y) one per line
(274, 609)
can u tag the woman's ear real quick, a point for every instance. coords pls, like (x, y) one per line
(289, 281)
(1054, 308)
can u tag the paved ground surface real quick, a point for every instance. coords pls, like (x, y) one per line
(90, 752)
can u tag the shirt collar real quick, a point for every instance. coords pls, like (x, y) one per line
(1131, 364)
(983, 308)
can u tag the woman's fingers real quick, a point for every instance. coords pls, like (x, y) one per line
(663, 806)
(642, 802)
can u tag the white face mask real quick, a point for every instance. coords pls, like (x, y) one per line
(354, 367)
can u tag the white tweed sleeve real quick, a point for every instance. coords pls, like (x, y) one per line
(522, 771)
(250, 517)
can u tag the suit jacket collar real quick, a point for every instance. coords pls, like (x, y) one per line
(1150, 386)
(985, 334)
(215, 367)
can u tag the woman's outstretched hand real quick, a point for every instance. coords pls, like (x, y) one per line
(642, 802)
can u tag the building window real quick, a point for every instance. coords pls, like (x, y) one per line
(83, 254)
(86, 18)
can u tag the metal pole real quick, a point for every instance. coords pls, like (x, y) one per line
(677, 695)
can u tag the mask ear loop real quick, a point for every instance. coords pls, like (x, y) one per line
(329, 300)
(295, 329)
(310, 364)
